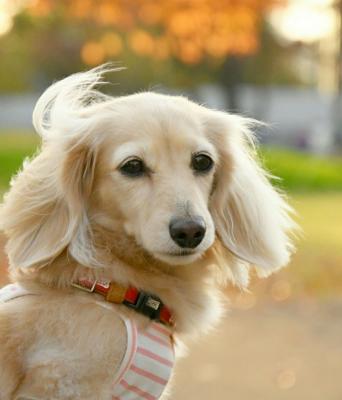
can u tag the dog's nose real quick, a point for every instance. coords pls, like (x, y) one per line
(187, 232)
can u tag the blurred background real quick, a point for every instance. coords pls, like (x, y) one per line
(275, 60)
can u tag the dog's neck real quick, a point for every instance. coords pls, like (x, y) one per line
(190, 291)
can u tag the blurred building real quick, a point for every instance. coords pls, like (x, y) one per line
(301, 118)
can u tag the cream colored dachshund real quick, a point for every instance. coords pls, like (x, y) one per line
(121, 233)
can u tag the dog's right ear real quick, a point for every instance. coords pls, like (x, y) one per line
(44, 212)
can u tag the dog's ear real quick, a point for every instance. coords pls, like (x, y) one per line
(77, 178)
(251, 217)
(45, 211)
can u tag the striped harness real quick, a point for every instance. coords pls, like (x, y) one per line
(148, 361)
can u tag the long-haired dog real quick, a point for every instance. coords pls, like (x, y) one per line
(149, 197)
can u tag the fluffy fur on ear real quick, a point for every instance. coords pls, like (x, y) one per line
(44, 212)
(252, 219)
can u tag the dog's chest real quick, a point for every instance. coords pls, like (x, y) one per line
(147, 364)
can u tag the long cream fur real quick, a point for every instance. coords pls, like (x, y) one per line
(70, 213)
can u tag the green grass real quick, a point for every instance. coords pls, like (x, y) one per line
(301, 171)
(317, 265)
(297, 171)
(14, 147)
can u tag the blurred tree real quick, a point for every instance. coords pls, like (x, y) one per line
(189, 30)
(177, 42)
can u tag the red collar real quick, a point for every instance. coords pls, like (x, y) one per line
(142, 302)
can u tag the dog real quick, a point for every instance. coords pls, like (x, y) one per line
(122, 230)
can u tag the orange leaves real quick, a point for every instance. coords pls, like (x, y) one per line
(79, 8)
(141, 42)
(150, 13)
(217, 46)
(162, 48)
(112, 43)
(40, 8)
(211, 33)
(95, 52)
(92, 53)
(107, 14)
(183, 24)
(189, 52)
(188, 30)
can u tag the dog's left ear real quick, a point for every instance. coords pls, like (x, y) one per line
(251, 217)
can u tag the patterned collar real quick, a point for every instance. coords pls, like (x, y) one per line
(142, 302)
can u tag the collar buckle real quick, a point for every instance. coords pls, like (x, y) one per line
(85, 285)
(147, 305)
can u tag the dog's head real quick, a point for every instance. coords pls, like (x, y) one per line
(171, 174)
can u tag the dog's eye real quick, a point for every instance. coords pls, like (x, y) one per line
(133, 167)
(201, 162)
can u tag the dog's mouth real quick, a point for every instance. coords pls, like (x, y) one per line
(178, 257)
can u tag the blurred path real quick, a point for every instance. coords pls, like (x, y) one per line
(279, 352)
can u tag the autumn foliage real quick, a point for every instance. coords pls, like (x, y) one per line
(187, 30)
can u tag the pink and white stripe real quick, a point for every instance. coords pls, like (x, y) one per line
(147, 365)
